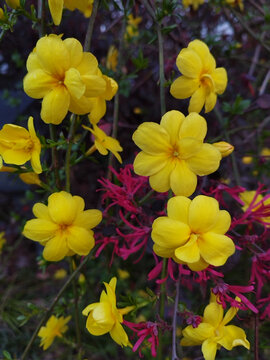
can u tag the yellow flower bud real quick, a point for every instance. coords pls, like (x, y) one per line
(247, 160)
(225, 148)
(2, 15)
(30, 178)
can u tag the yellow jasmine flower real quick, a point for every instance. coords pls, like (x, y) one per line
(104, 316)
(98, 104)
(112, 58)
(14, 4)
(2, 240)
(103, 143)
(63, 227)
(123, 274)
(193, 233)
(60, 274)
(54, 327)
(248, 196)
(56, 8)
(200, 78)
(17, 145)
(194, 3)
(213, 332)
(225, 148)
(247, 160)
(173, 153)
(64, 76)
(265, 152)
(132, 26)
(30, 178)
(234, 3)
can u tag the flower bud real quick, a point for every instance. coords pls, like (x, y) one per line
(225, 148)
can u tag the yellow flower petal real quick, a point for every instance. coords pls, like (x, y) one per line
(209, 349)
(194, 126)
(35, 162)
(198, 265)
(56, 9)
(183, 87)
(41, 211)
(62, 208)
(197, 335)
(119, 335)
(207, 59)
(147, 165)
(88, 64)
(222, 224)
(161, 181)
(151, 138)
(220, 79)
(178, 208)
(188, 147)
(75, 50)
(172, 122)
(234, 336)
(39, 229)
(80, 106)
(197, 100)
(16, 157)
(189, 63)
(56, 248)
(38, 83)
(205, 161)
(98, 109)
(182, 180)
(111, 88)
(213, 314)
(80, 240)
(55, 105)
(33, 62)
(88, 219)
(216, 248)
(53, 55)
(210, 101)
(95, 85)
(203, 213)
(169, 233)
(189, 252)
(74, 83)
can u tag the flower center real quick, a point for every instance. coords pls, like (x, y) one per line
(207, 82)
(28, 146)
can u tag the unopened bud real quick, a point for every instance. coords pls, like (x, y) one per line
(225, 148)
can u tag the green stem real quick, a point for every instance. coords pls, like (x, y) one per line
(162, 308)
(70, 138)
(89, 33)
(45, 317)
(76, 312)
(116, 98)
(41, 18)
(55, 161)
(161, 71)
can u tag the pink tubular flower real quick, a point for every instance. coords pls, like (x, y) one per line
(260, 271)
(222, 290)
(219, 190)
(143, 330)
(264, 302)
(123, 194)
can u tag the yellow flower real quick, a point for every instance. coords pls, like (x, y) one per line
(14, 4)
(2, 15)
(213, 332)
(30, 178)
(103, 143)
(265, 152)
(104, 317)
(247, 160)
(234, 3)
(2, 240)
(123, 274)
(98, 104)
(60, 274)
(132, 26)
(112, 58)
(248, 196)
(225, 148)
(194, 3)
(200, 78)
(193, 233)
(173, 153)
(56, 8)
(17, 145)
(54, 327)
(63, 227)
(64, 76)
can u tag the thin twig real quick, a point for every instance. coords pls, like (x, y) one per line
(89, 33)
(55, 161)
(71, 135)
(45, 317)
(174, 322)
(265, 83)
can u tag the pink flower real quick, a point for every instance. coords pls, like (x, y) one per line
(260, 271)
(145, 331)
